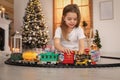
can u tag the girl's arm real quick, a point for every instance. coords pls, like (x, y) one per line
(81, 46)
(57, 44)
(59, 47)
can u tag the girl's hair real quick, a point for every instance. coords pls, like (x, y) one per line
(69, 8)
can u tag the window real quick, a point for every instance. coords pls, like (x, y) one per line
(85, 9)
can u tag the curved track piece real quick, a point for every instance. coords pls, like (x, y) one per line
(110, 57)
(65, 66)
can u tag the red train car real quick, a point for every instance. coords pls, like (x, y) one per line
(68, 58)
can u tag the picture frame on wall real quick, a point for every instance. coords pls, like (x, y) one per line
(106, 10)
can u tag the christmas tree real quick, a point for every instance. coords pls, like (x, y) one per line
(35, 31)
(97, 39)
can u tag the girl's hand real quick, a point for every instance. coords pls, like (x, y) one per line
(80, 52)
(66, 50)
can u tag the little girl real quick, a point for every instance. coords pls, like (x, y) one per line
(70, 36)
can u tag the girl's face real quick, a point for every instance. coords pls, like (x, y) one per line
(70, 19)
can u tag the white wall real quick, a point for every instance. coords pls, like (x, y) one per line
(19, 10)
(108, 29)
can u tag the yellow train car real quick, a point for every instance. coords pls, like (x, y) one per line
(30, 56)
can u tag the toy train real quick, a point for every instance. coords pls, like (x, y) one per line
(48, 58)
